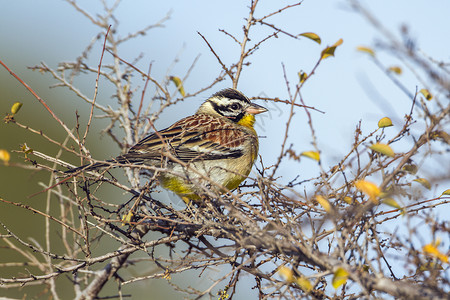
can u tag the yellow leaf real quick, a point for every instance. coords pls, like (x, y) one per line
(16, 107)
(396, 69)
(348, 200)
(365, 268)
(127, 218)
(286, 273)
(167, 275)
(223, 295)
(329, 51)
(5, 156)
(312, 36)
(446, 193)
(304, 284)
(384, 122)
(25, 149)
(426, 93)
(366, 49)
(391, 202)
(311, 154)
(387, 192)
(324, 203)
(339, 278)
(432, 250)
(430, 266)
(369, 188)
(423, 182)
(303, 76)
(178, 84)
(383, 149)
(440, 135)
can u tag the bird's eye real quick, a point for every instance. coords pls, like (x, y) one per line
(235, 106)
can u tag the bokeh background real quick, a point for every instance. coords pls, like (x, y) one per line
(348, 87)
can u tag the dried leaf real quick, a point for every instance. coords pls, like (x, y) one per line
(446, 193)
(293, 155)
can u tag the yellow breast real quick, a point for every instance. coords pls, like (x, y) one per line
(238, 169)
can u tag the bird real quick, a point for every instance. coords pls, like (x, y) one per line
(213, 149)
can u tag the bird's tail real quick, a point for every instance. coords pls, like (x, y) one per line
(88, 167)
(108, 163)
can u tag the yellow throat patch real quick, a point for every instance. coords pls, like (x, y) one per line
(247, 121)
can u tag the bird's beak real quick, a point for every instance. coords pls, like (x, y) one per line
(255, 109)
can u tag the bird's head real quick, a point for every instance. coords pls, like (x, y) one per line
(233, 105)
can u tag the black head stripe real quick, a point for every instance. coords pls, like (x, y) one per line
(226, 111)
(231, 94)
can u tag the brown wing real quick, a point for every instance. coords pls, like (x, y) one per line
(198, 137)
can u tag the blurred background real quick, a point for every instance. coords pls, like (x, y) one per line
(347, 88)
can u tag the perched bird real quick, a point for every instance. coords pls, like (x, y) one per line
(216, 146)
